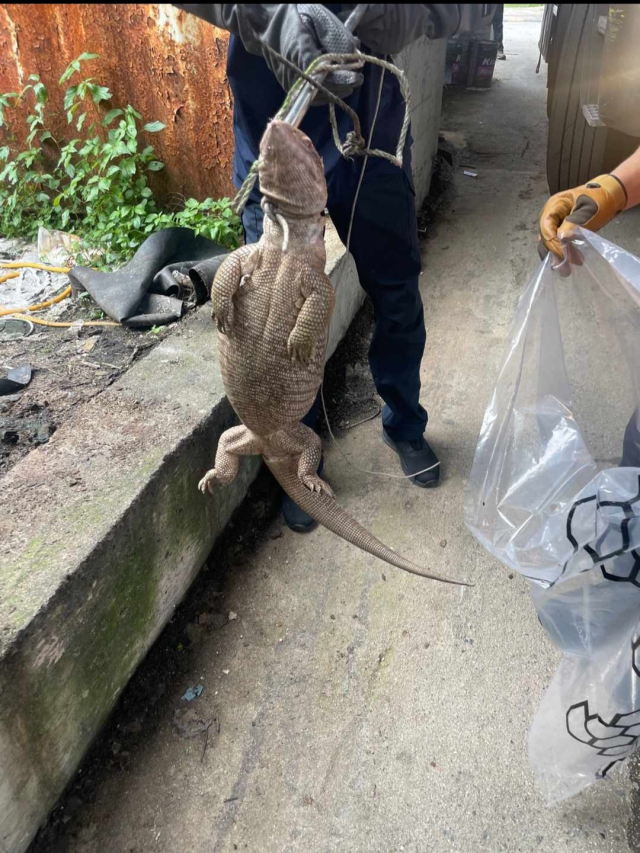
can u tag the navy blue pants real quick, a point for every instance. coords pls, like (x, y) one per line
(384, 244)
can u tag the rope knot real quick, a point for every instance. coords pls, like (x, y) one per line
(354, 144)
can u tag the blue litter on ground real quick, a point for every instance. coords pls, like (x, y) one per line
(193, 693)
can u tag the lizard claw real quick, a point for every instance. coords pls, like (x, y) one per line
(317, 484)
(222, 315)
(222, 324)
(207, 483)
(300, 350)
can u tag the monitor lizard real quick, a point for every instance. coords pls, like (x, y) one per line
(272, 303)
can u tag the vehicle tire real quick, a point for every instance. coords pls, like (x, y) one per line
(559, 28)
(575, 150)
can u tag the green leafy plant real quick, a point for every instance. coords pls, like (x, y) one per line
(94, 184)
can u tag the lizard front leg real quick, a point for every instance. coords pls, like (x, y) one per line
(234, 443)
(316, 305)
(233, 270)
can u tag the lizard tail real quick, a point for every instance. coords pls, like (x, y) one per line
(330, 514)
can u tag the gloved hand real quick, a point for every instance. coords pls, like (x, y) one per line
(591, 205)
(298, 31)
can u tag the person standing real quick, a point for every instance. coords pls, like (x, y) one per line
(384, 236)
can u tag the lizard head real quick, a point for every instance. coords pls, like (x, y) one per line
(291, 171)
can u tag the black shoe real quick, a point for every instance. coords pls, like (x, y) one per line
(416, 456)
(295, 518)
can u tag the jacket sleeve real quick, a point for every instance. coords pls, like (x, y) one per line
(385, 27)
(300, 32)
(250, 21)
(390, 27)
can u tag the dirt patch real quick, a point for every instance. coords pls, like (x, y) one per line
(441, 190)
(70, 366)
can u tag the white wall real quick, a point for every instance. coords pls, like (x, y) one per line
(423, 62)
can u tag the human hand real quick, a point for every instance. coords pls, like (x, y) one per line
(591, 205)
(301, 33)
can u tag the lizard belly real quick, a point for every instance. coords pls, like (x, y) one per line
(267, 400)
(265, 387)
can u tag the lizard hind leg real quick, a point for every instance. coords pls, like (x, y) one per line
(308, 464)
(301, 441)
(234, 443)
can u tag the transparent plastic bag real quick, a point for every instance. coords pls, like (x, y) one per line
(554, 494)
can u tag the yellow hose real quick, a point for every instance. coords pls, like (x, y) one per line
(66, 292)
(67, 325)
(8, 276)
(6, 312)
(16, 265)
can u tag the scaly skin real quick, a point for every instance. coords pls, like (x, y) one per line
(273, 309)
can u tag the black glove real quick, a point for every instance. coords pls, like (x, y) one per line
(389, 27)
(298, 31)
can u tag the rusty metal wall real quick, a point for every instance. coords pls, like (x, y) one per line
(166, 63)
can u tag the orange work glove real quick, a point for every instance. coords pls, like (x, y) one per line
(592, 205)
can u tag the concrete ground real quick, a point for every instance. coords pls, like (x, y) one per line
(361, 709)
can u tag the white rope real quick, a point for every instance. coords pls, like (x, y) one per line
(354, 145)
